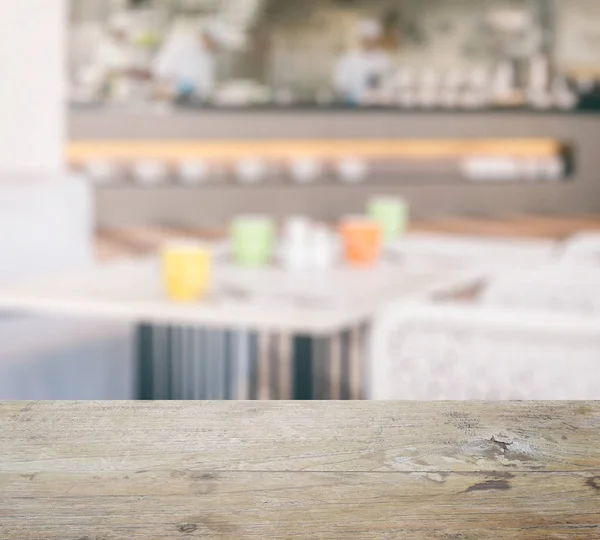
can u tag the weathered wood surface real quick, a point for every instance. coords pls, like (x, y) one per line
(97, 471)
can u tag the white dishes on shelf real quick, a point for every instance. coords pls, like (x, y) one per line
(503, 80)
(543, 169)
(102, 172)
(565, 100)
(149, 172)
(251, 171)
(306, 170)
(539, 72)
(558, 96)
(352, 170)
(541, 100)
(193, 173)
(490, 168)
(456, 88)
(530, 170)
(552, 169)
(500, 169)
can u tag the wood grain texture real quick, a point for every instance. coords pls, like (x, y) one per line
(99, 471)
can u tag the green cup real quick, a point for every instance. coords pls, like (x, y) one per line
(392, 215)
(253, 239)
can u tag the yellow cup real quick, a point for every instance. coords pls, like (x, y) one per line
(186, 271)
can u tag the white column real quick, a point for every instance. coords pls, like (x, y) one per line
(46, 216)
(32, 86)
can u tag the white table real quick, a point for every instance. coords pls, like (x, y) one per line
(257, 330)
(496, 252)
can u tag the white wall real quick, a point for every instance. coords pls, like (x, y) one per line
(32, 85)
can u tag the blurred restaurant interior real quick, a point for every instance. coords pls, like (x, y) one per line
(300, 199)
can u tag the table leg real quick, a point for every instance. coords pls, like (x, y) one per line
(196, 363)
(145, 352)
(345, 350)
(179, 363)
(328, 368)
(303, 368)
(322, 371)
(176, 363)
(264, 366)
(335, 368)
(155, 362)
(358, 362)
(285, 360)
(253, 365)
(197, 367)
(241, 363)
(228, 363)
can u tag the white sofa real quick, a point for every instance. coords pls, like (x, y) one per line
(46, 229)
(429, 352)
(583, 248)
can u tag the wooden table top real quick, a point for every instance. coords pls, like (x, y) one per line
(99, 471)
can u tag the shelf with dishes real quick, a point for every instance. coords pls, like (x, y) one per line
(304, 163)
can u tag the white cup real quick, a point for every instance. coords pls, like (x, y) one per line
(323, 249)
(295, 255)
(297, 229)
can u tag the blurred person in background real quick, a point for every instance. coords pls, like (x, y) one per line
(361, 72)
(185, 67)
(117, 62)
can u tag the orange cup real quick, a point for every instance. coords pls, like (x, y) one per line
(363, 240)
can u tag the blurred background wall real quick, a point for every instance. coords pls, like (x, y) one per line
(278, 86)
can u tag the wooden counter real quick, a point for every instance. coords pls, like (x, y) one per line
(440, 196)
(331, 471)
(79, 152)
